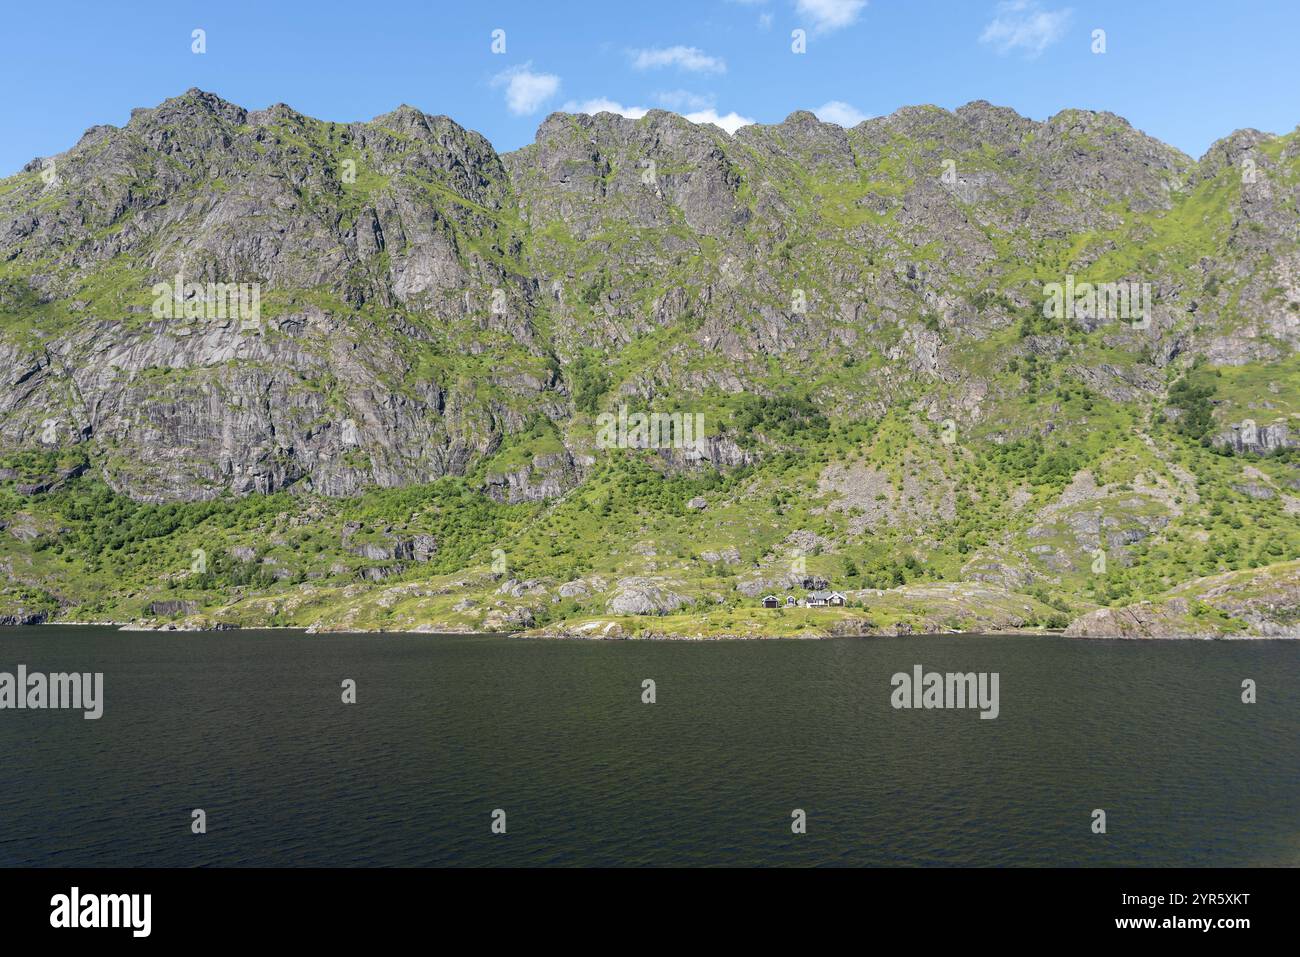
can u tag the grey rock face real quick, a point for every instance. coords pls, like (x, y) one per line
(772, 582)
(173, 607)
(423, 298)
(22, 616)
(326, 397)
(519, 589)
(419, 548)
(729, 556)
(510, 619)
(1255, 490)
(1260, 439)
(25, 527)
(643, 596)
(375, 551)
(549, 476)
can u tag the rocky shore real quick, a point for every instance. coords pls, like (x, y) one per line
(1260, 603)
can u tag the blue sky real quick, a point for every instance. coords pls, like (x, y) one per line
(1186, 71)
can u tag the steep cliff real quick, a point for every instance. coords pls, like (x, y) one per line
(364, 323)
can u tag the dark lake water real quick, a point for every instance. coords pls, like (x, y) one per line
(250, 727)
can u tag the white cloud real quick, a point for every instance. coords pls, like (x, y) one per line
(841, 113)
(684, 100)
(1025, 25)
(729, 122)
(526, 91)
(828, 15)
(765, 21)
(602, 104)
(691, 59)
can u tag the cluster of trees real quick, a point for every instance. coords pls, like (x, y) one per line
(885, 571)
(787, 416)
(1195, 402)
(103, 522)
(1030, 459)
(635, 486)
(589, 381)
(465, 522)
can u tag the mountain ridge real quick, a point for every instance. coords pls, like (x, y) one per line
(34, 164)
(859, 315)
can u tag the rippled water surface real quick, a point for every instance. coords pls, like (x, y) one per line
(249, 726)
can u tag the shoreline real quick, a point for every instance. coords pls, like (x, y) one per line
(592, 635)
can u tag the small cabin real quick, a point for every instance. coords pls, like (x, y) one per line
(821, 599)
(771, 601)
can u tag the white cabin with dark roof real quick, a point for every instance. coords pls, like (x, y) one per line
(822, 599)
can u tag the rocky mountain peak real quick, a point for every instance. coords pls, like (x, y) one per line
(446, 296)
(190, 107)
